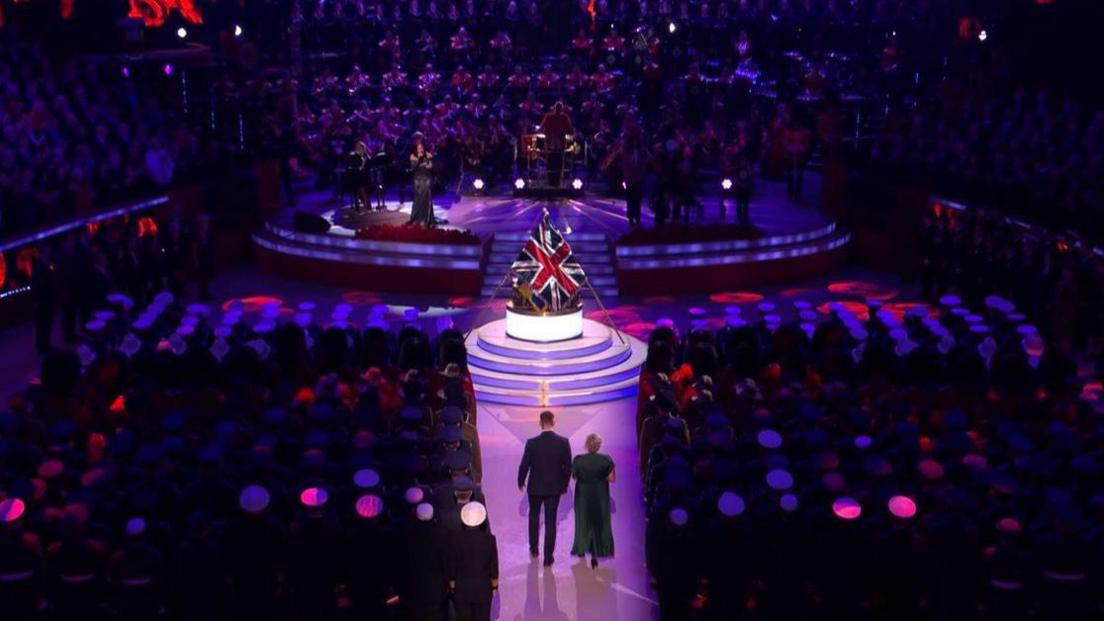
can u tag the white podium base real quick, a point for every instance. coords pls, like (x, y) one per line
(544, 328)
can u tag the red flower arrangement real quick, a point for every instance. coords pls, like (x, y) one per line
(687, 234)
(418, 235)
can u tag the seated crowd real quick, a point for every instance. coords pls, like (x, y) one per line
(1057, 280)
(80, 135)
(1027, 153)
(185, 464)
(939, 462)
(70, 274)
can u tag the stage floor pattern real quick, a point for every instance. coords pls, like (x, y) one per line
(486, 215)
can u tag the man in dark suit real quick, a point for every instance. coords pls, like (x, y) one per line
(473, 565)
(547, 466)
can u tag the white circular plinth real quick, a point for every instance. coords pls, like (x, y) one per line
(544, 328)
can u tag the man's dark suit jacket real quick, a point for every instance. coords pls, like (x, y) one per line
(547, 465)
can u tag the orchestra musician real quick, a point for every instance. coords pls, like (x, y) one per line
(376, 165)
(634, 160)
(556, 127)
(488, 79)
(547, 79)
(603, 80)
(356, 175)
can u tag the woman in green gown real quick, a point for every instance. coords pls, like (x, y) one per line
(593, 472)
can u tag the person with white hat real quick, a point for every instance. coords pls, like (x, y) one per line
(423, 585)
(473, 565)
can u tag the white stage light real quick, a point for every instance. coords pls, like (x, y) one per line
(477, 184)
(577, 184)
(544, 328)
(983, 35)
(181, 32)
(519, 183)
(237, 31)
(671, 28)
(726, 184)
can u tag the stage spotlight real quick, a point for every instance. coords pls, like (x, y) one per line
(182, 32)
(519, 183)
(982, 36)
(126, 72)
(624, 186)
(671, 27)
(577, 184)
(477, 184)
(167, 69)
(726, 184)
(237, 31)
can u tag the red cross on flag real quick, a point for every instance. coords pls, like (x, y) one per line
(547, 265)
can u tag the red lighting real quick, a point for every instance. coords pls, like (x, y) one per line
(24, 261)
(314, 497)
(118, 406)
(862, 289)
(252, 304)
(619, 315)
(154, 12)
(847, 508)
(147, 226)
(930, 469)
(360, 298)
(11, 510)
(858, 309)
(369, 506)
(736, 297)
(968, 28)
(304, 396)
(639, 329)
(902, 507)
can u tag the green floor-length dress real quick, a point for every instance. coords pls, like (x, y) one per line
(593, 531)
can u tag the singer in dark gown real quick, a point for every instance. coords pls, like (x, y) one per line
(421, 161)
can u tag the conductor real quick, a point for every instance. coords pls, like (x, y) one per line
(556, 127)
(546, 466)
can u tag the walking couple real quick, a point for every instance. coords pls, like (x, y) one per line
(545, 471)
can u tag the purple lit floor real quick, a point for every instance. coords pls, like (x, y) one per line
(570, 589)
(484, 215)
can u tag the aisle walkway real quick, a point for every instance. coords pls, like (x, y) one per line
(570, 590)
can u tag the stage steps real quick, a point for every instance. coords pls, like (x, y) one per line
(594, 251)
(597, 367)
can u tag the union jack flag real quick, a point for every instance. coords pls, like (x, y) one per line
(550, 270)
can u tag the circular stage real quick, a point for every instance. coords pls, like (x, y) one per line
(789, 243)
(599, 366)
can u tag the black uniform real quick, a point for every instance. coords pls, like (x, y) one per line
(423, 587)
(473, 564)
